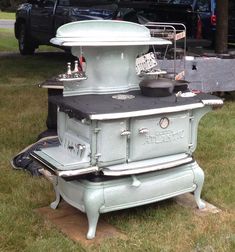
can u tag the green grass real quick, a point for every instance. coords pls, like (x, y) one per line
(163, 226)
(7, 15)
(8, 43)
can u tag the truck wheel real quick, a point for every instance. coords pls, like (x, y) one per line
(26, 47)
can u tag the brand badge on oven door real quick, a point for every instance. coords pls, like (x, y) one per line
(164, 122)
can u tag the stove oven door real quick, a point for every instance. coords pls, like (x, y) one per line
(111, 141)
(159, 135)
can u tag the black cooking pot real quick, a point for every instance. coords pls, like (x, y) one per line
(169, 75)
(180, 85)
(156, 87)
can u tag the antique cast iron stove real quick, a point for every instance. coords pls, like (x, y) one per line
(119, 148)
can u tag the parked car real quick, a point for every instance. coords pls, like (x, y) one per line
(205, 11)
(204, 14)
(231, 21)
(37, 20)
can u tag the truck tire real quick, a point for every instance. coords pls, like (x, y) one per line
(26, 45)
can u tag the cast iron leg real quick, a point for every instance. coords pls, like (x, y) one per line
(199, 180)
(197, 196)
(92, 216)
(93, 200)
(55, 203)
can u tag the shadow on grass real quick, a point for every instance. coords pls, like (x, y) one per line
(47, 55)
(32, 69)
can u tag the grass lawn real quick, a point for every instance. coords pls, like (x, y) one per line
(8, 43)
(163, 226)
(7, 15)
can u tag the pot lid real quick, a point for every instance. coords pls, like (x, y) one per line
(105, 33)
(181, 82)
(156, 83)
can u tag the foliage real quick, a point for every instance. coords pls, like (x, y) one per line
(10, 5)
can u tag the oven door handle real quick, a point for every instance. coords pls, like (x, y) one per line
(126, 133)
(143, 131)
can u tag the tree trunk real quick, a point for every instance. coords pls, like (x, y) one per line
(221, 26)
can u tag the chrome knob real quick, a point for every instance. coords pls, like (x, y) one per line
(126, 133)
(81, 148)
(143, 131)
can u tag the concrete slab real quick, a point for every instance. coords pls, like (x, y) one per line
(7, 23)
(187, 200)
(73, 223)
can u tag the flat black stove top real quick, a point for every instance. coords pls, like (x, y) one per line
(89, 106)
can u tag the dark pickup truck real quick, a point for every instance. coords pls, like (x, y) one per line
(37, 20)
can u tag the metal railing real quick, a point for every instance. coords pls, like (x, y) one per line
(170, 31)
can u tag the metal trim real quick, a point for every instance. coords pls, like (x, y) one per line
(51, 86)
(71, 173)
(67, 173)
(213, 102)
(146, 112)
(74, 42)
(167, 165)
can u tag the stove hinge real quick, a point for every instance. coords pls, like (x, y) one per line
(97, 156)
(191, 119)
(97, 130)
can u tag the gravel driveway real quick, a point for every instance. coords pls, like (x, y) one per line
(7, 24)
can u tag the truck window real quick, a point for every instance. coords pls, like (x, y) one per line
(64, 2)
(188, 2)
(88, 2)
(232, 8)
(203, 5)
(48, 3)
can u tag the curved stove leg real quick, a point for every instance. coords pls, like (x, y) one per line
(197, 196)
(55, 203)
(93, 200)
(92, 216)
(199, 180)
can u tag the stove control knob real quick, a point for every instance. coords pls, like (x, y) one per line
(126, 133)
(143, 131)
(81, 148)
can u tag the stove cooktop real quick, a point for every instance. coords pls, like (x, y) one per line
(110, 106)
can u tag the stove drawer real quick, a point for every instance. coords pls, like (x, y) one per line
(158, 136)
(149, 187)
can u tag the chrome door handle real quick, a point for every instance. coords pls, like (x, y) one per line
(126, 133)
(143, 131)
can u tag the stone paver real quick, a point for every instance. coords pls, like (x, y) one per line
(74, 224)
(187, 200)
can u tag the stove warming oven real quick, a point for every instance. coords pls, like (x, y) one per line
(119, 148)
